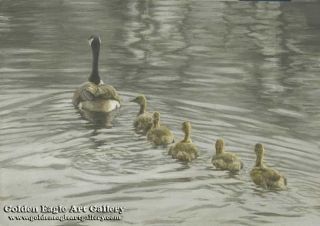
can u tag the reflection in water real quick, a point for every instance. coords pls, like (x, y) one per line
(101, 119)
(244, 72)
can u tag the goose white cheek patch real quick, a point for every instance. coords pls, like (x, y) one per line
(90, 41)
(100, 40)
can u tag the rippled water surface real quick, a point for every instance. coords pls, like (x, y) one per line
(245, 72)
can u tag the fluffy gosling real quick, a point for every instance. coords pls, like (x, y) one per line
(263, 175)
(143, 122)
(159, 135)
(224, 160)
(184, 150)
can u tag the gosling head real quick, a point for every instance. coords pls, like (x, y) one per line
(219, 146)
(186, 127)
(94, 41)
(141, 99)
(258, 149)
(156, 117)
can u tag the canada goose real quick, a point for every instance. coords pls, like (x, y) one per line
(94, 95)
(184, 150)
(224, 160)
(159, 135)
(263, 175)
(143, 122)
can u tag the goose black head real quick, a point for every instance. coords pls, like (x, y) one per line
(94, 41)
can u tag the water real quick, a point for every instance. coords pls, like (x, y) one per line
(245, 72)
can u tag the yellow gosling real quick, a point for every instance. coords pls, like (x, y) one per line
(159, 135)
(143, 122)
(263, 175)
(184, 150)
(224, 160)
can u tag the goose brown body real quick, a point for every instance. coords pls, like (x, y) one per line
(158, 134)
(184, 150)
(263, 175)
(94, 95)
(224, 160)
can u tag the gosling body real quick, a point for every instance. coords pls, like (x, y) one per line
(184, 150)
(159, 135)
(263, 175)
(94, 95)
(224, 160)
(143, 122)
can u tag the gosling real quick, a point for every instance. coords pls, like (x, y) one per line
(159, 135)
(143, 122)
(263, 175)
(184, 150)
(225, 161)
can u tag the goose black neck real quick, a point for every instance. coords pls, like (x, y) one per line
(94, 76)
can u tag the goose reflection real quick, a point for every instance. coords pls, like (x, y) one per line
(100, 119)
